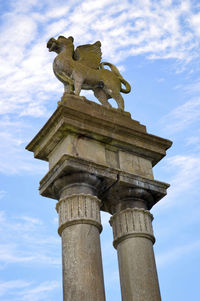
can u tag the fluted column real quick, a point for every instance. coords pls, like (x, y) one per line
(133, 239)
(79, 226)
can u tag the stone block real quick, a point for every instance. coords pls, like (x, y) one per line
(76, 146)
(135, 165)
(112, 158)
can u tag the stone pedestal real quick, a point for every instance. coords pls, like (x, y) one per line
(101, 159)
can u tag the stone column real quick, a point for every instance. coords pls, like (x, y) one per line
(133, 239)
(79, 227)
(82, 139)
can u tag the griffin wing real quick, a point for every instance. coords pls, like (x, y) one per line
(89, 54)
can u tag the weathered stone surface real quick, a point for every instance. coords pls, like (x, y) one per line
(135, 165)
(112, 157)
(122, 181)
(82, 135)
(132, 222)
(95, 151)
(81, 147)
(138, 275)
(100, 158)
(120, 197)
(81, 69)
(79, 227)
(81, 261)
(133, 239)
(78, 209)
(114, 130)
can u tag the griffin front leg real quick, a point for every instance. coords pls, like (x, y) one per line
(78, 81)
(69, 88)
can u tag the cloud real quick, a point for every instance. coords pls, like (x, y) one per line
(177, 253)
(39, 292)
(193, 88)
(6, 287)
(154, 29)
(9, 255)
(157, 30)
(194, 21)
(14, 135)
(105, 217)
(182, 116)
(194, 141)
(23, 240)
(31, 220)
(188, 170)
(2, 194)
(183, 174)
(20, 290)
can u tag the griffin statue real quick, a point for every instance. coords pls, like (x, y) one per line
(82, 69)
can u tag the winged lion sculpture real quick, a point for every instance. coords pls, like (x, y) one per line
(82, 69)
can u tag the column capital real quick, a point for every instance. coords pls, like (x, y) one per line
(76, 182)
(120, 198)
(78, 209)
(132, 222)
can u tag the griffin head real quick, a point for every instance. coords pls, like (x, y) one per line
(59, 44)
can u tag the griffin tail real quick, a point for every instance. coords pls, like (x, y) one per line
(117, 73)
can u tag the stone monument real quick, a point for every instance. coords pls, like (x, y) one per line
(100, 159)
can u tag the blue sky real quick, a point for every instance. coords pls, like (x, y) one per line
(155, 44)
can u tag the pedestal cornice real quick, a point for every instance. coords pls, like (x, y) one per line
(109, 179)
(77, 115)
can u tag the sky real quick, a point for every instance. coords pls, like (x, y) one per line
(155, 44)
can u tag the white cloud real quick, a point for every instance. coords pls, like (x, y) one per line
(194, 87)
(144, 27)
(193, 140)
(177, 253)
(23, 241)
(183, 174)
(183, 116)
(20, 290)
(7, 286)
(194, 21)
(32, 220)
(155, 29)
(2, 194)
(13, 156)
(57, 12)
(105, 217)
(55, 220)
(9, 255)
(39, 292)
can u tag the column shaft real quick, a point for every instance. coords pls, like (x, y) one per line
(133, 239)
(79, 227)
